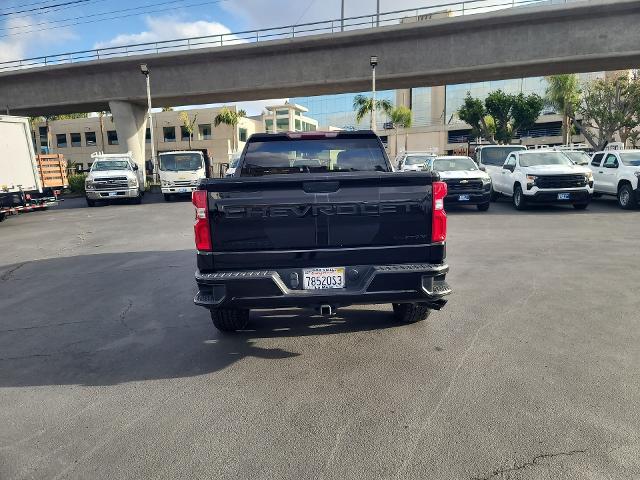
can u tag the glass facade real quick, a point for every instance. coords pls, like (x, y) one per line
(337, 110)
(457, 93)
(421, 108)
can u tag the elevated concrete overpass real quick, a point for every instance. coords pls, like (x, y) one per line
(528, 41)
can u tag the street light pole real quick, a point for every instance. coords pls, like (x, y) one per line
(342, 16)
(145, 71)
(374, 63)
(377, 13)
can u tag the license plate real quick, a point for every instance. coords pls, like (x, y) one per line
(183, 190)
(323, 278)
(113, 194)
(564, 196)
(463, 198)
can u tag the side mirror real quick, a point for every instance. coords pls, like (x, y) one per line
(511, 168)
(482, 168)
(135, 167)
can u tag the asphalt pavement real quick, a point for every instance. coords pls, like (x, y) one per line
(108, 370)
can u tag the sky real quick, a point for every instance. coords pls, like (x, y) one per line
(28, 29)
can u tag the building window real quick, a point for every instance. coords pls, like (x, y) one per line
(112, 137)
(169, 134)
(89, 138)
(204, 131)
(282, 124)
(61, 140)
(298, 125)
(147, 135)
(44, 140)
(243, 134)
(76, 139)
(184, 134)
(282, 112)
(268, 125)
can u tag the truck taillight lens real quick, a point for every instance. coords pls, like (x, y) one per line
(439, 216)
(201, 227)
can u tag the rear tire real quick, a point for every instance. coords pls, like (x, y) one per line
(168, 197)
(229, 319)
(626, 197)
(483, 207)
(410, 312)
(580, 206)
(493, 196)
(137, 200)
(2, 216)
(91, 203)
(519, 202)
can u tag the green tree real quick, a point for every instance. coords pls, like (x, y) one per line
(608, 106)
(473, 113)
(363, 106)
(228, 116)
(502, 116)
(563, 95)
(401, 117)
(188, 124)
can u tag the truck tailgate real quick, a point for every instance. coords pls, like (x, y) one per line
(293, 220)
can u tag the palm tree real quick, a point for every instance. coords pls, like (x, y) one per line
(188, 124)
(230, 117)
(563, 94)
(401, 117)
(363, 106)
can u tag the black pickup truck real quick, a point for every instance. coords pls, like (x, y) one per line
(319, 220)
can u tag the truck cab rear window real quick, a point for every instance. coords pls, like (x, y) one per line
(288, 156)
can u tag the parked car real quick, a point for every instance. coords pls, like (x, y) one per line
(617, 172)
(113, 176)
(233, 163)
(579, 157)
(319, 220)
(466, 183)
(543, 176)
(413, 161)
(180, 172)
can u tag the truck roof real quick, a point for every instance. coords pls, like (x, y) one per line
(312, 135)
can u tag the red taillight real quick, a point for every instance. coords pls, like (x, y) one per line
(439, 222)
(201, 227)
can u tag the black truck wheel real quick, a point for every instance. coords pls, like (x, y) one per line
(519, 202)
(483, 207)
(229, 319)
(168, 197)
(410, 312)
(91, 203)
(2, 215)
(580, 206)
(626, 197)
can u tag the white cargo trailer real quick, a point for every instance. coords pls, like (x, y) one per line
(20, 183)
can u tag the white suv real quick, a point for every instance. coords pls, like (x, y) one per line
(543, 176)
(617, 172)
(413, 161)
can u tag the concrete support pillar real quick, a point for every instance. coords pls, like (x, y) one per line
(131, 125)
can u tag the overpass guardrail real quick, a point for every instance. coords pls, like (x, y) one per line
(421, 14)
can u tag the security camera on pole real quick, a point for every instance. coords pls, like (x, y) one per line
(374, 63)
(144, 69)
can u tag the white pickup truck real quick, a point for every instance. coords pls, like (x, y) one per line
(113, 176)
(543, 176)
(617, 172)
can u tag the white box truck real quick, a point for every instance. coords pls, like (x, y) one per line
(19, 177)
